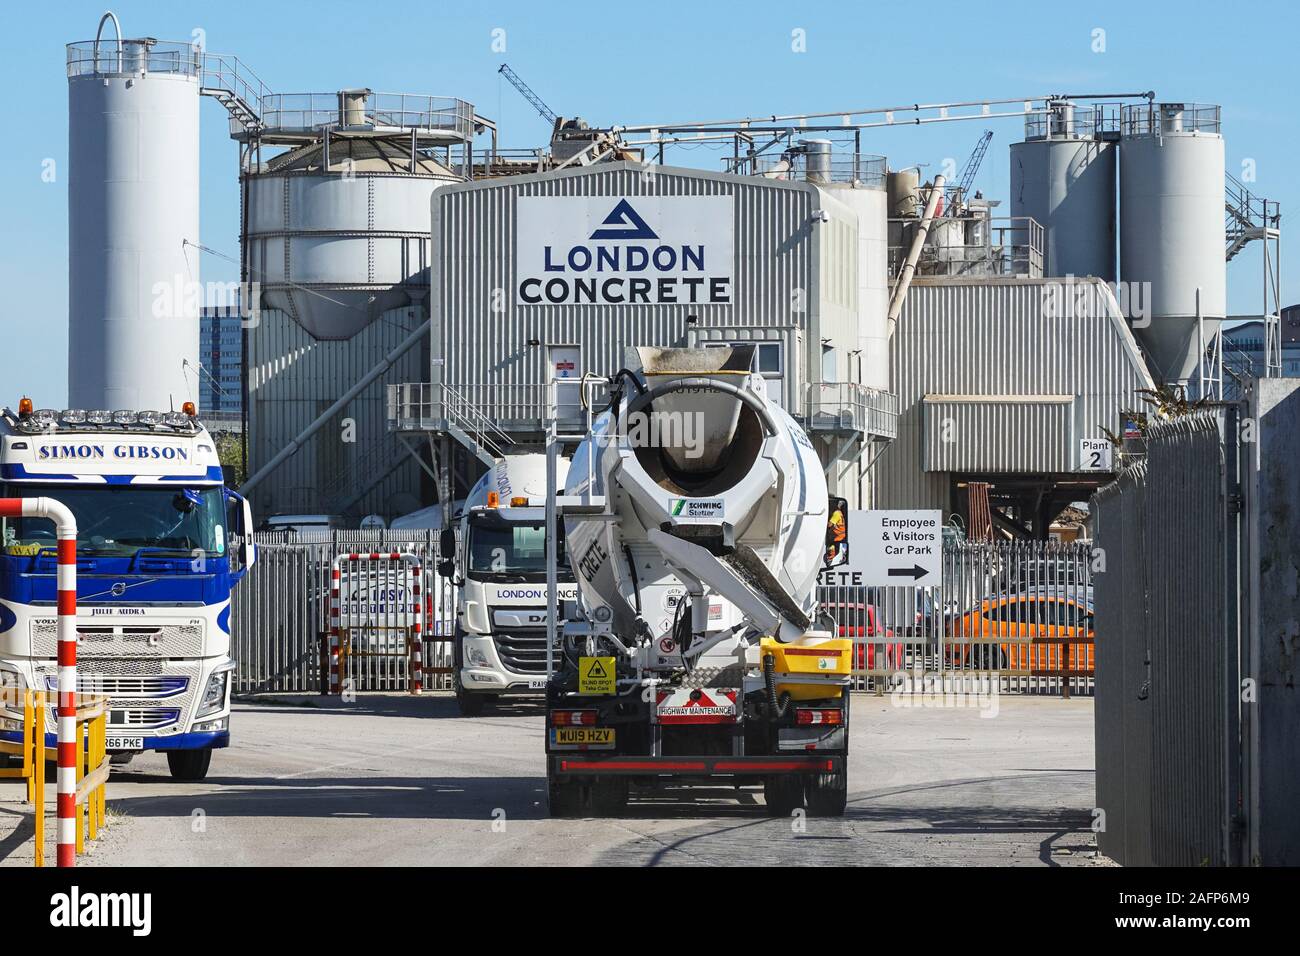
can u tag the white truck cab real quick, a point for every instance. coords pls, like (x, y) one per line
(499, 563)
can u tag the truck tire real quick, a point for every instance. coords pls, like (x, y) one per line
(828, 794)
(189, 764)
(609, 797)
(469, 704)
(783, 795)
(563, 798)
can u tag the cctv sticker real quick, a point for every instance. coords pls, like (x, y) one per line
(673, 597)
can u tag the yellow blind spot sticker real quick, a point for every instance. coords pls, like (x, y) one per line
(595, 675)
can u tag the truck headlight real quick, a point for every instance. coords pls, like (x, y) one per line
(475, 657)
(214, 695)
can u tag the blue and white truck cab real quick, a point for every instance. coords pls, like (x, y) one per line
(161, 542)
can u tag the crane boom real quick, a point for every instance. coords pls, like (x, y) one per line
(973, 164)
(526, 91)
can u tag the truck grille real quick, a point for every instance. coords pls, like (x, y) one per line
(523, 652)
(161, 641)
(141, 696)
(143, 718)
(156, 686)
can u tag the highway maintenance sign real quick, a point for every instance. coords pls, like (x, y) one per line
(891, 549)
(595, 675)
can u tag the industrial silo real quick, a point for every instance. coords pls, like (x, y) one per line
(1171, 230)
(337, 239)
(133, 220)
(338, 231)
(858, 181)
(1063, 176)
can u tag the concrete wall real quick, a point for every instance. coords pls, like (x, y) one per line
(1276, 637)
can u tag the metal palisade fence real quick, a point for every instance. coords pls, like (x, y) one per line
(1009, 617)
(1016, 616)
(280, 617)
(1167, 715)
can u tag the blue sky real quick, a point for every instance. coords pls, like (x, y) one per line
(643, 62)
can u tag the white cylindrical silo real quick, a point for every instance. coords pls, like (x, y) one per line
(336, 242)
(133, 219)
(1065, 180)
(1171, 231)
(865, 193)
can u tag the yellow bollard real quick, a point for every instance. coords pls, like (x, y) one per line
(29, 765)
(79, 808)
(37, 756)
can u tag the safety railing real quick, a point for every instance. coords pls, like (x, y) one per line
(858, 169)
(313, 112)
(1143, 119)
(490, 407)
(108, 57)
(1080, 121)
(850, 407)
(36, 750)
(1014, 247)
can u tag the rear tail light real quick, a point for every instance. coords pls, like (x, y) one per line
(573, 718)
(807, 716)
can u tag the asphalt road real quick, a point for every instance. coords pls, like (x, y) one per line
(399, 780)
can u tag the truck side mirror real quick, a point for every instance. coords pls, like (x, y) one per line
(241, 520)
(447, 545)
(446, 568)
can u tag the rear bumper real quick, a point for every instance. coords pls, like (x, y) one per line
(216, 739)
(589, 765)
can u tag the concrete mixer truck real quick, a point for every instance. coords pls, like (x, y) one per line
(695, 512)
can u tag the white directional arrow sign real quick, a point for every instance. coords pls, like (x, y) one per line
(891, 549)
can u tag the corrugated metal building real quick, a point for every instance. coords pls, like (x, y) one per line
(352, 466)
(996, 382)
(734, 259)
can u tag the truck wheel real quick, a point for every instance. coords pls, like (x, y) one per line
(828, 794)
(189, 764)
(609, 797)
(783, 795)
(563, 798)
(470, 705)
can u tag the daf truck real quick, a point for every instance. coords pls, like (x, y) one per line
(499, 562)
(161, 542)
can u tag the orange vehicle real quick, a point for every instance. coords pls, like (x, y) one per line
(1059, 617)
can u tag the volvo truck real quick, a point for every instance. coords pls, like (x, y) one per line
(696, 518)
(499, 563)
(161, 542)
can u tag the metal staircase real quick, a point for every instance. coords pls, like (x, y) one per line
(236, 87)
(1249, 218)
(469, 426)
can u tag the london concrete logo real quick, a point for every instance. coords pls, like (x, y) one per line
(639, 250)
(624, 223)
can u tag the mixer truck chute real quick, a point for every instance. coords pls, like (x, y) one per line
(696, 558)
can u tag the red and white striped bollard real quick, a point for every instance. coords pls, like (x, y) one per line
(65, 526)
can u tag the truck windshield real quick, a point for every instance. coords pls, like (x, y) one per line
(120, 521)
(500, 548)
